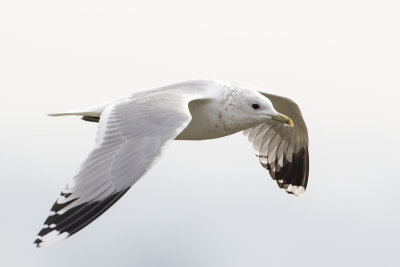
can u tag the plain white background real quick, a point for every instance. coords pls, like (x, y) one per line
(205, 203)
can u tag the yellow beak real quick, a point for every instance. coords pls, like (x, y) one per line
(283, 118)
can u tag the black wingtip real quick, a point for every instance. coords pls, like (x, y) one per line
(37, 242)
(74, 218)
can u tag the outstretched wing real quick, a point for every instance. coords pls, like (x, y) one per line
(131, 137)
(283, 150)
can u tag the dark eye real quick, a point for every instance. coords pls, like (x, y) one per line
(256, 106)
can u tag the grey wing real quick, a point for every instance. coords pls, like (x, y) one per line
(131, 137)
(282, 149)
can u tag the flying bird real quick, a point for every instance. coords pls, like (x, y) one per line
(134, 131)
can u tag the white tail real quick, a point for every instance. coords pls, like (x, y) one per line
(88, 113)
(92, 116)
(94, 111)
(77, 113)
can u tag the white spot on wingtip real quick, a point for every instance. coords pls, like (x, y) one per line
(300, 190)
(51, 238)
(63, 199)
(294, 189)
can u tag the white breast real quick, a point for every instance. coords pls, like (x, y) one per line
(208, 121)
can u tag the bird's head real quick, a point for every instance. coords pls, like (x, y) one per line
(252, 108)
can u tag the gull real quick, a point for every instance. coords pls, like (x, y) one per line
(134, 131)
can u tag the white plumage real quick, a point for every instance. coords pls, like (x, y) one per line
(134, 130)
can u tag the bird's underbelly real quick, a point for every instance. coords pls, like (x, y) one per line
(208, 122)
(198, 131)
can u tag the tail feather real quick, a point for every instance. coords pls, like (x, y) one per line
(93, 112)
(86, 116)
(89, 113)
(77, 113)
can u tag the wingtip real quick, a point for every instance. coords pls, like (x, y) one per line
(295, 190)
(291, 189)
(37, 242)
(49, 238)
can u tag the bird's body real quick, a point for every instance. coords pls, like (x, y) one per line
(134, 130)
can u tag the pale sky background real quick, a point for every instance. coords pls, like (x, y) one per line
(206, 203)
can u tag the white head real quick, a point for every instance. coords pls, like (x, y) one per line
(245, 108)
